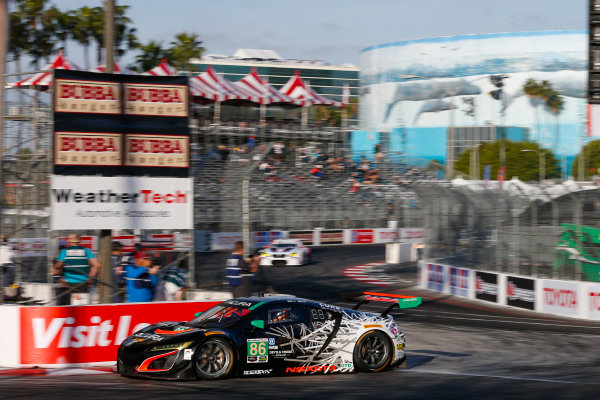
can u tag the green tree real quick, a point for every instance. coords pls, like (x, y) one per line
(185, 46)
(39, 32)
(524, 165)
(591, 160)
(86, 21)
(542, 93)
(149, 57)
(18, 43)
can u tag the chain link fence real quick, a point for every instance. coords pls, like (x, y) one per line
(532, 230)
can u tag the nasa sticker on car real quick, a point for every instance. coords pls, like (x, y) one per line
(257, 350)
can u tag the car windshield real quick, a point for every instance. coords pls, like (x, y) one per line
(283, 245)
(223, 314)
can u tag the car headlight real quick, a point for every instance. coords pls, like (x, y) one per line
(172, 346)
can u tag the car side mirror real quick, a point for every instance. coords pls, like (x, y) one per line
(258, 323)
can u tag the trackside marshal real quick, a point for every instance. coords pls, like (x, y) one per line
(91, 202)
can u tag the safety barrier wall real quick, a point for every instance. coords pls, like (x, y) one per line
(80, 335)
(318, 237)
(559, 297)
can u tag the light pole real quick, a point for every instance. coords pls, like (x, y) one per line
(542, 161)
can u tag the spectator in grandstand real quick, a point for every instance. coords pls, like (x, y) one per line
(173, 282)
(266, 167)
(141, 278)
(379, 154)
(7, 258)
(223, 152)
(239, 271)
(355, 187)
(317, 171)
(278, 151)
(77, 267)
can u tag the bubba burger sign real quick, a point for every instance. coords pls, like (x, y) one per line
(74, 334)
(80, 202)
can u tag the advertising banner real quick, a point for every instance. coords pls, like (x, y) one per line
(362, 236)
(593, 295)
(486, 286)
(436, 277)
(561, 297)
(412, 235)
(30, 247)
(331, 236)
(520, 292)
(117, 124)
(459, 281)
(576, 250)
(94, 202)
(262, 239)
(305, 236)
(225, 240)
(74, 334)
(387, 235)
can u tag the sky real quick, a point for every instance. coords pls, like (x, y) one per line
(334, 31)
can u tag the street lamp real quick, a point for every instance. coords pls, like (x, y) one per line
(542, 155)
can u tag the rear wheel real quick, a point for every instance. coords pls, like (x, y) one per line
(214, 359)
(373, 352)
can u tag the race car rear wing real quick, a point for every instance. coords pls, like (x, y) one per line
(402, 300)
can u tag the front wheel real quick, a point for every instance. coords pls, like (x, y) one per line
(214, 360)
(373, 352)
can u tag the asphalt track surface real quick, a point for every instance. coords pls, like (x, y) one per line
(456, 348)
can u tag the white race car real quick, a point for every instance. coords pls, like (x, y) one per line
(282, 252)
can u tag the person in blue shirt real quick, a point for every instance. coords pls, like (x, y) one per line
(239, 271)
(141, 278)
(77, 267)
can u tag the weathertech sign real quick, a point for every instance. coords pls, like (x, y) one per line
(121, 203)
(159, 100)
(157, 150)
(78, 148)
(73, 96)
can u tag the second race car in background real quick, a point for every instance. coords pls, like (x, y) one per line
(282, 252)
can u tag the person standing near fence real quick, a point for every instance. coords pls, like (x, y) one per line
(77, 266)
(141, 278)
(239, 271)
(7, 259)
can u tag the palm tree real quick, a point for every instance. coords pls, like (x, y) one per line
(184, 47)
(17, 45)
(39, 32)
(82, 31)
(149, 57)
(124, 34)
(62, 23)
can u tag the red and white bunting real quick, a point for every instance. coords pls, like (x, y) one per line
(212, 86)
(43, 80)
(267, 94)
(116, 69)
(299, 90)
(162, 69)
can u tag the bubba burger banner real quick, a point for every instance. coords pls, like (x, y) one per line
(114, 124)
(79, 202)
(75, 334)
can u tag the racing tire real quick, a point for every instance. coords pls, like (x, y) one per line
(214, 359)
(373, 352)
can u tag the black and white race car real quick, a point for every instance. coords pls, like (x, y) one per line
(282, 252)
(268, 336)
